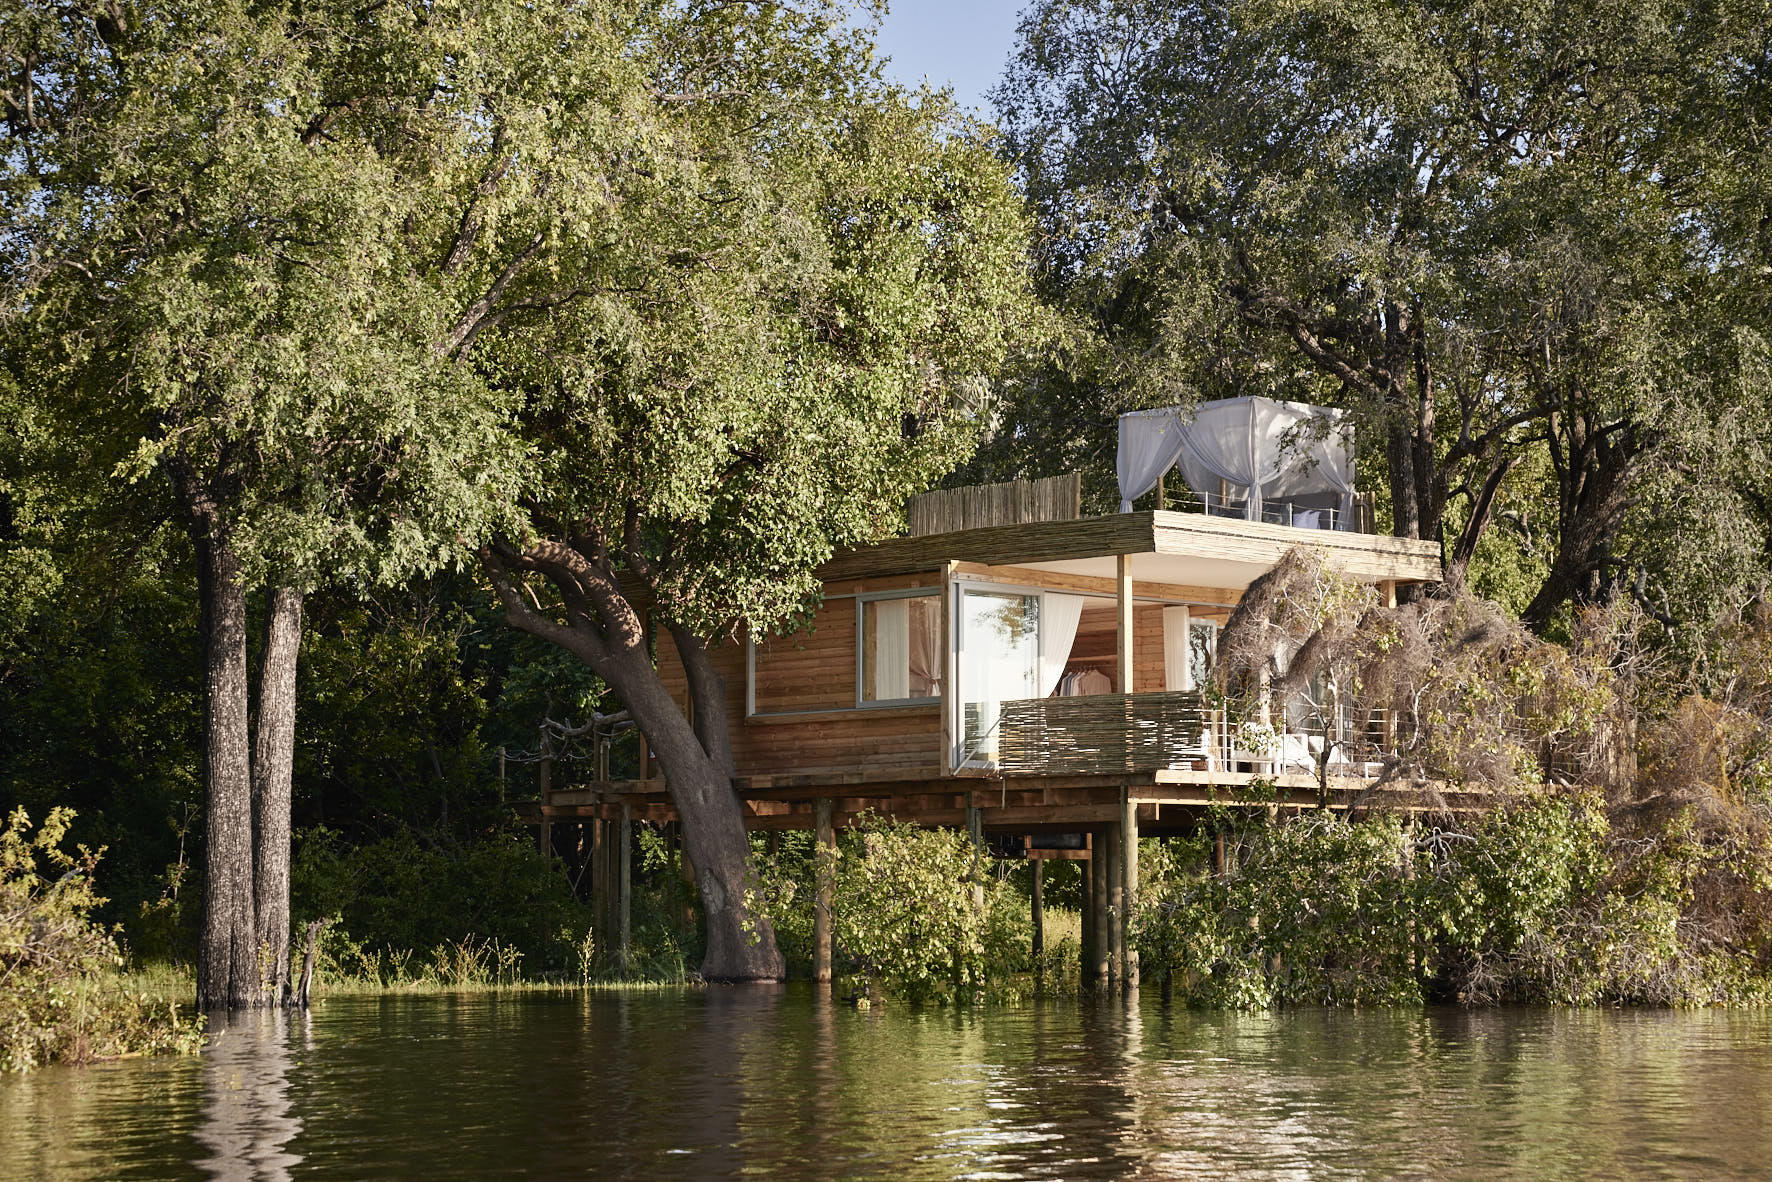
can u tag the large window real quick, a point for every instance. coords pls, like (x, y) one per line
(900, 658)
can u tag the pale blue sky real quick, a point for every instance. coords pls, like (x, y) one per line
(962, 43)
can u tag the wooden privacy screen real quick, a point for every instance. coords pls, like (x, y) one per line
(1015, 502)
(1101, 733)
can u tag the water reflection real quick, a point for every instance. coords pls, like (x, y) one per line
(247, 1121)
(722, 1082)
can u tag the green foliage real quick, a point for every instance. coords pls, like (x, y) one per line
(1317, 913)
(394, 896)
(919, 914)
(1538, 901)
(216, 276)
(1462, 226)
(60, 997)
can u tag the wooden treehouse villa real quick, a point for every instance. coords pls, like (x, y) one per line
(1033, 675)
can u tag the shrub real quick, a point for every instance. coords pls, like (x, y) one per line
(919, 914)
(1541, 900)
(60, 997)
(396, 896)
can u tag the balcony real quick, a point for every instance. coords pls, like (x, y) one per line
(1103, 734)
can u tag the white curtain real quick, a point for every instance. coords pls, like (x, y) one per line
(1058, 631)
(1150, 441)
(1257, 449)
(1176, 672)
(892, 649)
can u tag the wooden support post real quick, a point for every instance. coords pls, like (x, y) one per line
(546, 837)
(1123, 633)
(824, 871)
(1116, 907)
(599, 886)
(1103, 923)
(624, 845)
(1038, 890)
(975, 832)
(501, 775)
(1128, 887)
(1085, 872)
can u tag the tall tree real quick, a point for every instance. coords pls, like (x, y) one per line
(215, 275)
(296, 260)
(1465, 223)
(770, 326)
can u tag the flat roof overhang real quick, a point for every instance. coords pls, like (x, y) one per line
(1166, 547)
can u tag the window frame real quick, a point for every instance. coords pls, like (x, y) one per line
(858, 598)
(862, 599)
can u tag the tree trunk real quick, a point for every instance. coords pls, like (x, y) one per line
(227, 956)
(740, 942)
(272, 769)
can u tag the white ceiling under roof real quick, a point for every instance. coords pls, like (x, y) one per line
(1184, 569)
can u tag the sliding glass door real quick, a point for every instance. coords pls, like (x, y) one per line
(999, 661)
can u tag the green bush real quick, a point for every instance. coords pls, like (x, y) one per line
(1538, 901)
(61, 999)
(395, 899)
(920, 914)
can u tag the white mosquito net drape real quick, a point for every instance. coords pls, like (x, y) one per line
(1261, 450)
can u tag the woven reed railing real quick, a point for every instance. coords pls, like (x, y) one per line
(1101, 733)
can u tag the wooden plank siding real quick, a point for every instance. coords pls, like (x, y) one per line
(808, 726)
(807, 722)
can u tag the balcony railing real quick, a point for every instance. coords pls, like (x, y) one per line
(1277, 512)
(1101, 734)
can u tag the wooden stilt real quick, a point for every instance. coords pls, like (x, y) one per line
(1098, 874)
(1038, 890)
(1128, 887)
(600, 884)
(975, 832)
(824, 873)
(1086, 969)
(546, 837)
(625, 891)
(1116, 950)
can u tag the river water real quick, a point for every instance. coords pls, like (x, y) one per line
(776, 1082)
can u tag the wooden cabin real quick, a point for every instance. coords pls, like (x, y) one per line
(1033, 675)
(1016, 666)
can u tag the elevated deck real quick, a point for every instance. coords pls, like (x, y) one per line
(1165, 799)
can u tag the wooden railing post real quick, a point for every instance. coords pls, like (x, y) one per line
(1123, 629)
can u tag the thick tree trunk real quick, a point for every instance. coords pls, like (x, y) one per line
(740, 942)
(272, 769)
(227, 956)
(605, 632)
